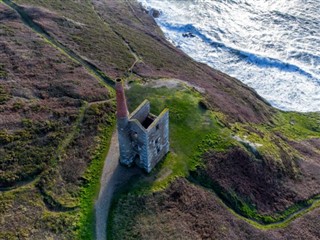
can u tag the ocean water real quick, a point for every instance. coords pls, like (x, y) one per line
(271, 45)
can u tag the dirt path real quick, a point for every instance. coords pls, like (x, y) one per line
(113, 177)
(89, 66)
(122, 38)
(113, 174)
(59, 151)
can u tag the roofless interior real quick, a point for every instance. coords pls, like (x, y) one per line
(148, 121)
(149, 118)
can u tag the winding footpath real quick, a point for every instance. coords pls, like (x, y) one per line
(103, 202)
(113, 176)
(89, 66)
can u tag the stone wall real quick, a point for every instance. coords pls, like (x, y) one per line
(158, 139)
(150, 144)
(125, 144)
(141, 112)
(139, 138)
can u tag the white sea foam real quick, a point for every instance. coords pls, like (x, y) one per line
(271, 45)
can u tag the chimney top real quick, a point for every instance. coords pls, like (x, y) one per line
(122, 110)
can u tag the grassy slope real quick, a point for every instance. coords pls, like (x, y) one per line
(185, 211)
(161, 59)
(76, 25)
(57, 113)
(103, 30)
(191, 134)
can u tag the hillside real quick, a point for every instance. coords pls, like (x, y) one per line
(229, 148)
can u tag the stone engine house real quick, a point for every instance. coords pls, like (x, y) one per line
(143, 137)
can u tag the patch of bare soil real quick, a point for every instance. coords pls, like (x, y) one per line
(172, 83)
(186, 211)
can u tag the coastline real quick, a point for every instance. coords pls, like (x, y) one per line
(287, 82)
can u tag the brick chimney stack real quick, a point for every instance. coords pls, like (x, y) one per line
(122, 110)
(125, 145)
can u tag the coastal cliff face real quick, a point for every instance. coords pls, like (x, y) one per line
(57, 116)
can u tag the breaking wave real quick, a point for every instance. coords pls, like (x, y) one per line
(271, 45)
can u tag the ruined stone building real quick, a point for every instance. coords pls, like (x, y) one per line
(143, 137)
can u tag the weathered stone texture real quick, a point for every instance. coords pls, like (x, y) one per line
(143, 137)
(141, 112)
(158, 139)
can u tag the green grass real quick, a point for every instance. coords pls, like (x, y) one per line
(291, 125)
(272, 139)
(298, 126)
(245, 209)
(4, 95)
(90, 190)
(193, 130)
(3, 73)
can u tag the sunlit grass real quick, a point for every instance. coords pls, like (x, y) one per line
(195, 131)
(192, 130)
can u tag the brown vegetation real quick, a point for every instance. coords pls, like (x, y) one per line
(48, 133)
(44, 92)
(131, 31)
(260, 182)
(185, 211)
(161, 59)
(43, 137)
(63, 183)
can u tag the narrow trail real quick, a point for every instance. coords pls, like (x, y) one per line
(113, 177)
(90, 67)
(282, 223)
(315, 203)
(125, 42)
(60, 149)
(134, 12)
